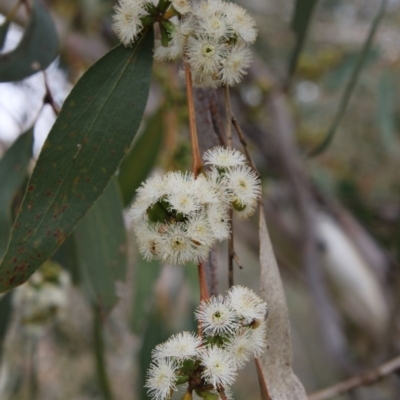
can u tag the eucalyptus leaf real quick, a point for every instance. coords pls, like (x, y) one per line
(276, 362)
(141, 158)
(5, 312)
(13, 171)
(92, 133)
(36, 50)
(145, 278)
(300, 23)
(386, 113)
(100, 243)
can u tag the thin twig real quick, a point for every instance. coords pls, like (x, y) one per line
(204, 295)
(196, 158)
(228, 136)
(261, 380)
(228, 114)
(243, 143)
(365, 379)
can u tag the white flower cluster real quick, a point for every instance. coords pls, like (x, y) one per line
(42, 297)
(214, 35)
(234, 331)
(178, 217)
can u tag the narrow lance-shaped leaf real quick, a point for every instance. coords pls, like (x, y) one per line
(95, 128)
(36, 50)
(100, 243)
(344, 101)
(13, 171)
(141, 158)
(276, 363)
(300, 23)
(5, 313)
(145, 277)
(386, 113)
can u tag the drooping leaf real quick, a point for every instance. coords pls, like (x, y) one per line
(100, 243)
(66, 256)
(344, 101)
(95, 128)
(300, 23)
(3, 33)
(5, 313)
(386, 112)
(141, 158)
(36, 50)
(13, 171)
(145, 277)
(276, 362)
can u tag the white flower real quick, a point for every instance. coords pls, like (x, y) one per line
(241, 347)
(148, 194)
(199, 230)
(216, 316)
(204, 9)
(257, 338)
(245, 212)
(183, 346)
(235, 64)
(147, 239)
(206, 191)
(175, 247)
(218, 219)
(127, 24)
(242, 23)
(161, 379)
(247, 304)
(219, 367)
(182, 6)
(205, 54)
(244, 185)
(216, 26)
(183, 202)
(223, 157)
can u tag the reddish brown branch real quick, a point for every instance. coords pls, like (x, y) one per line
(196, 158)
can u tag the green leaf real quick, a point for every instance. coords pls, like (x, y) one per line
(3, 33)
(36, 50)
(13, 171)
(301, 20)
(386, 112)
(344, 101)
(145, 277)
(141, 158)
(95, 128)
(100, 243)
(66, 256)
(5, 312)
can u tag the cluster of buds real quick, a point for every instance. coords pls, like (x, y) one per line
(213, 35)
(41, 299)
(233, 331)
(178, 217)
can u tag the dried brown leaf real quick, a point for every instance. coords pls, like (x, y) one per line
(276, 363)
